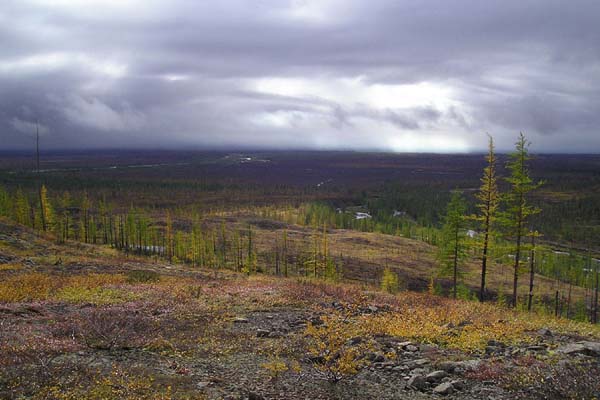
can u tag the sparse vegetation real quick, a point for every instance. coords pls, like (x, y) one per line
(178, 301)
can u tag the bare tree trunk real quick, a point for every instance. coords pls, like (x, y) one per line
(484, 259)
(37, 164)
(531, 272)
(595, 306)
(455, 261)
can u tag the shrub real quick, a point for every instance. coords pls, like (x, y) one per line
(96, 296)
(113, 328)
(117, 385)
(275, 367)
(10, 267)
(142, 276)
(333, 354)
(27, 287)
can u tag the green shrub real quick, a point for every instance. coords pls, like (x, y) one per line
(142, 276)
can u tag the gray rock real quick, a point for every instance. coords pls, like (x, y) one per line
(373, 309)
(240, 320)
(585, 348)
(419, 371)
(436, 376)
(444, 388)
(417, 382)
(458, 385)
(545, 332)
(536, 348)
(412, 348)
(456, 366)
(421, 361)
(202, 385)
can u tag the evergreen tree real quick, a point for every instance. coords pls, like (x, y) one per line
(452, 250)
(488, 199)
(518, 210)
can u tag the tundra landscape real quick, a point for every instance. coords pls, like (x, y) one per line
(299, 199)
(287, 275)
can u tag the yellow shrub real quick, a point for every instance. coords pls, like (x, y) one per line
(275, 367)
(90, 281)
(328, 344)
(97, 295)
(27, 287)
(77, 288)
(118, 385)
(389, 281)
(10, 267)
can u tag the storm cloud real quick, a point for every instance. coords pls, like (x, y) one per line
(320, 74)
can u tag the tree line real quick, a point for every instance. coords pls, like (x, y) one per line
(505, 220)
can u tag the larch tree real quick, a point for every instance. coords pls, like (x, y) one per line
(46, 212)
(488, 199)
(515, 218)
(452, 250)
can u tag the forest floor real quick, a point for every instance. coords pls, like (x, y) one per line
(85, 322)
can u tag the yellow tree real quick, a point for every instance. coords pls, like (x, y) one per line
(47, 214)
(488, 199)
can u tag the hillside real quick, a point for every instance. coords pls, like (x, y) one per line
(86, 322)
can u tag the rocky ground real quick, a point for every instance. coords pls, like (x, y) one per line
(84, 322)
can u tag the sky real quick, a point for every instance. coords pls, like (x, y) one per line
(389, 75)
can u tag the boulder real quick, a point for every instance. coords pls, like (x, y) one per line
(417, 382)
(585, 348)
(436, 376)
(412, 348)
(444, 388)
(459, 366)
(545, 332)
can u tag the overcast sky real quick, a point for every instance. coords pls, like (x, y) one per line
(412, 75)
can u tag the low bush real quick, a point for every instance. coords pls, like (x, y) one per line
(142, 276)
(113, 328)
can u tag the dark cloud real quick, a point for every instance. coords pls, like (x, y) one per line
(292, 74)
